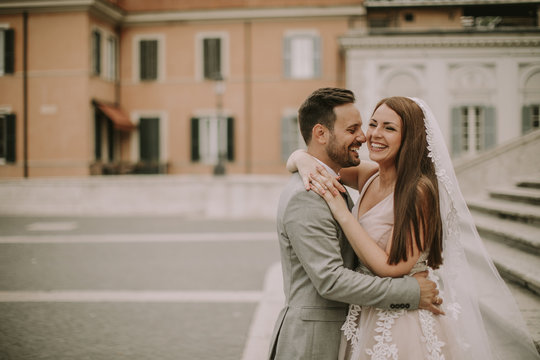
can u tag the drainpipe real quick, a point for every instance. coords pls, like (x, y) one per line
(248, 94)
(25, 93)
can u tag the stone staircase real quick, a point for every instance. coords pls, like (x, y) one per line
(508, 220)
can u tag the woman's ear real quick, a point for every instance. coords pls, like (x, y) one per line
(320, 134)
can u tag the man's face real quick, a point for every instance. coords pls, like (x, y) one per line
(347, 136)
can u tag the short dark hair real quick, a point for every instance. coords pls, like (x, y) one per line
(318, 108)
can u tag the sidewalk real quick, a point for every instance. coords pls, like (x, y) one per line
(263, 322)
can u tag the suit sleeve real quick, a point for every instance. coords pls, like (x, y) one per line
(314, 235)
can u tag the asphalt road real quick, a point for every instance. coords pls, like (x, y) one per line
(130, 287)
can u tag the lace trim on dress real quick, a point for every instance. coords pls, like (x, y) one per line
(350, 327)
(384, 349)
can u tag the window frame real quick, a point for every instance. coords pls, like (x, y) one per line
(317, 55)
(8, 122)
(474, 129)
(160, 57)
(97, 51)
(205, 147)
(199, 53)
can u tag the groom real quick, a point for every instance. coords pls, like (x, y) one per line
(316, 258)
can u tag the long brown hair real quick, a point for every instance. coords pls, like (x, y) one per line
(416, 193)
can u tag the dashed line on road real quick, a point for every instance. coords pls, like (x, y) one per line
(140, 238)
(133, 296)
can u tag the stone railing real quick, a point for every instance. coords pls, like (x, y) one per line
(188, 196)
(502, 165)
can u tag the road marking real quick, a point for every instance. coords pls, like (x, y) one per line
(133, 296)
(139, 238)
(52, 226)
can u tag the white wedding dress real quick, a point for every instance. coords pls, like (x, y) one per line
(482, 319)
(393, 334)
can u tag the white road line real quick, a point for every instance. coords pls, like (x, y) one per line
(52, 226)
(133, 296)
(140, 238)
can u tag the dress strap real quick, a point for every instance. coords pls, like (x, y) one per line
(366, 185)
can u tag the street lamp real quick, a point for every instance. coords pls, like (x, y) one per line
(219, 90)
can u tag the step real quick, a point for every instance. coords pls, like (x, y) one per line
(532, 182)
(516, 194)
(524, 213)
(529, 305)
(511, 233)
(515, 265)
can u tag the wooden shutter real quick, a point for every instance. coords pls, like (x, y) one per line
(490, 127)
(10, 138)
(9, 51)
(457, 136)
(195, 155)
(230, 139)
(97, 135)
(110, 140)
(97, 52)
(289, 134)
(212, 58)
(526, 123)
(287, 57)
(317, 53)
(149, 139)
(148, 59)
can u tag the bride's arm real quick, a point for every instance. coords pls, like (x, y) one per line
(375, 258)
(306, 164)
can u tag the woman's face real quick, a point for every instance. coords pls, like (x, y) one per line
(384, 135)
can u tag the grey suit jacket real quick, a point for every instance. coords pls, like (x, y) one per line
(318, 279)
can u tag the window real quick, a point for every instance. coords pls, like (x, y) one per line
(473, 129)
(530, 118)
(7, 51)
(148, 56)
(7, 138)
(291, 139)
(212, 137)
(96, 52)
(212, 55)
(112, 58)
(302, 56)
(212, 58)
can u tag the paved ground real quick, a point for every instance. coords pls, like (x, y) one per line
(135, 288)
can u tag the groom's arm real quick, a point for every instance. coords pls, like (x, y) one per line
(314, 235)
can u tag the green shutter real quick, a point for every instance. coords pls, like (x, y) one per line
(195, 155)
(490, 127)
(212, 58)
(457, 136)
(317, 53)
(110, 140)
(289, 134)
(97, 52)
(287, 57)
(9, 51)
(230, 139)
(149, 139)
(10, 138)
(97, 135)
(148, 53)
(526, 123)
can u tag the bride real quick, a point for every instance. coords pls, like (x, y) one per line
(411, 217)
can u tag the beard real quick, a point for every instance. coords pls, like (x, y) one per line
(341, 154)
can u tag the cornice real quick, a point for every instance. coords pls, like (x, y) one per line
(99, 8)
(441, 41)
(243, 14)
(406, 3)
